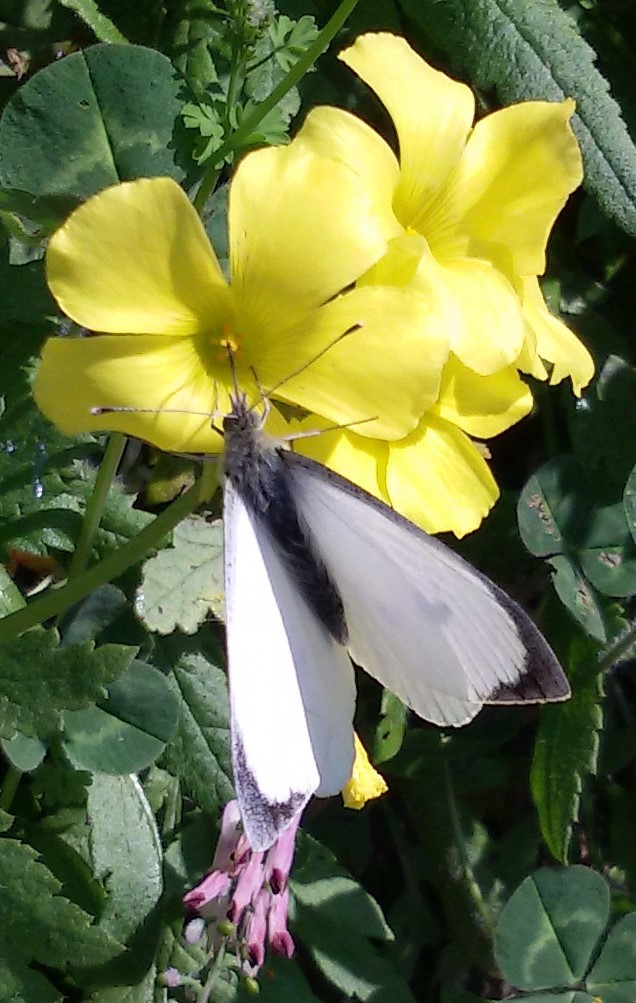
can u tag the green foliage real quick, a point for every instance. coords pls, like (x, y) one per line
(114, 736)
(232, 69)
(54, 932)
(182, 585)
(553, 935)
(566, 750)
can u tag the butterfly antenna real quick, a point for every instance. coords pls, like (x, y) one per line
(265, 394)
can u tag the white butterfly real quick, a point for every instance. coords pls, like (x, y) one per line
(318, 572)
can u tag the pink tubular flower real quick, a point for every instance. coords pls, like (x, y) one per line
(279, 858)
(256, 930)
(250, 890)
(277, 932)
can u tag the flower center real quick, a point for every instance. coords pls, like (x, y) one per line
(229, 343)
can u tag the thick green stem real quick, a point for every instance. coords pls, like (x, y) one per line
(9, 787)
(56, 601)
(97, 503)
(470, 881)
(249, 124)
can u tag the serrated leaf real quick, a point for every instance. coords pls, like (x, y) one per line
(566, 752)
(199, 752)
(52, 517)
(192, 29)
(20, 984)
(549, 929)
(10, 596)
(613, 977)
(36, 922)
(101, 26)
(91, 102)
(183, 584)
(290, 39)
(578, 595)
(38, 680)
(129, 730)
(534, 50)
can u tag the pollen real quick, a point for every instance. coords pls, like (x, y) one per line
(229, 342)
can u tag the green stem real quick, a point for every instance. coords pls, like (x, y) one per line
(97, 503)
(56, 601)
(470, 880)
(171, 815)
(9, 787)
(213, 975)
(248, 124)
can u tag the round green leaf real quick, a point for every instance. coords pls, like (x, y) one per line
(129, 730)
(608, 552)
(629, 501)
(549, 929)
(613, 978)
(552, 507)
(24, 752)
(116, 107)
(612, 570)
(127, 857)
(576, 593)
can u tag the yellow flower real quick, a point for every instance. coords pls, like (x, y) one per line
(467, 211)
(134, 262)
(365, 783)
(472, 206)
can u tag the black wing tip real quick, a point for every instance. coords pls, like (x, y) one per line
(534, 687)
(542, 679)
(263, 820)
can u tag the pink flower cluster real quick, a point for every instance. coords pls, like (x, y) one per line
(248, 890)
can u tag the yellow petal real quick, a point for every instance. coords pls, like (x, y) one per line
(470, 300)
(519, 166)
(478, 308)
(301, 228)
(135, 258)
(438, 478)
(337, 134)
(482, 406)
(529, 361)
(432, 114)
(138, 371)
(362, 461)
(386, 372)
(555, 343)
(365, 782)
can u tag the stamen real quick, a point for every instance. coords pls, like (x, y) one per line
(229, 343)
